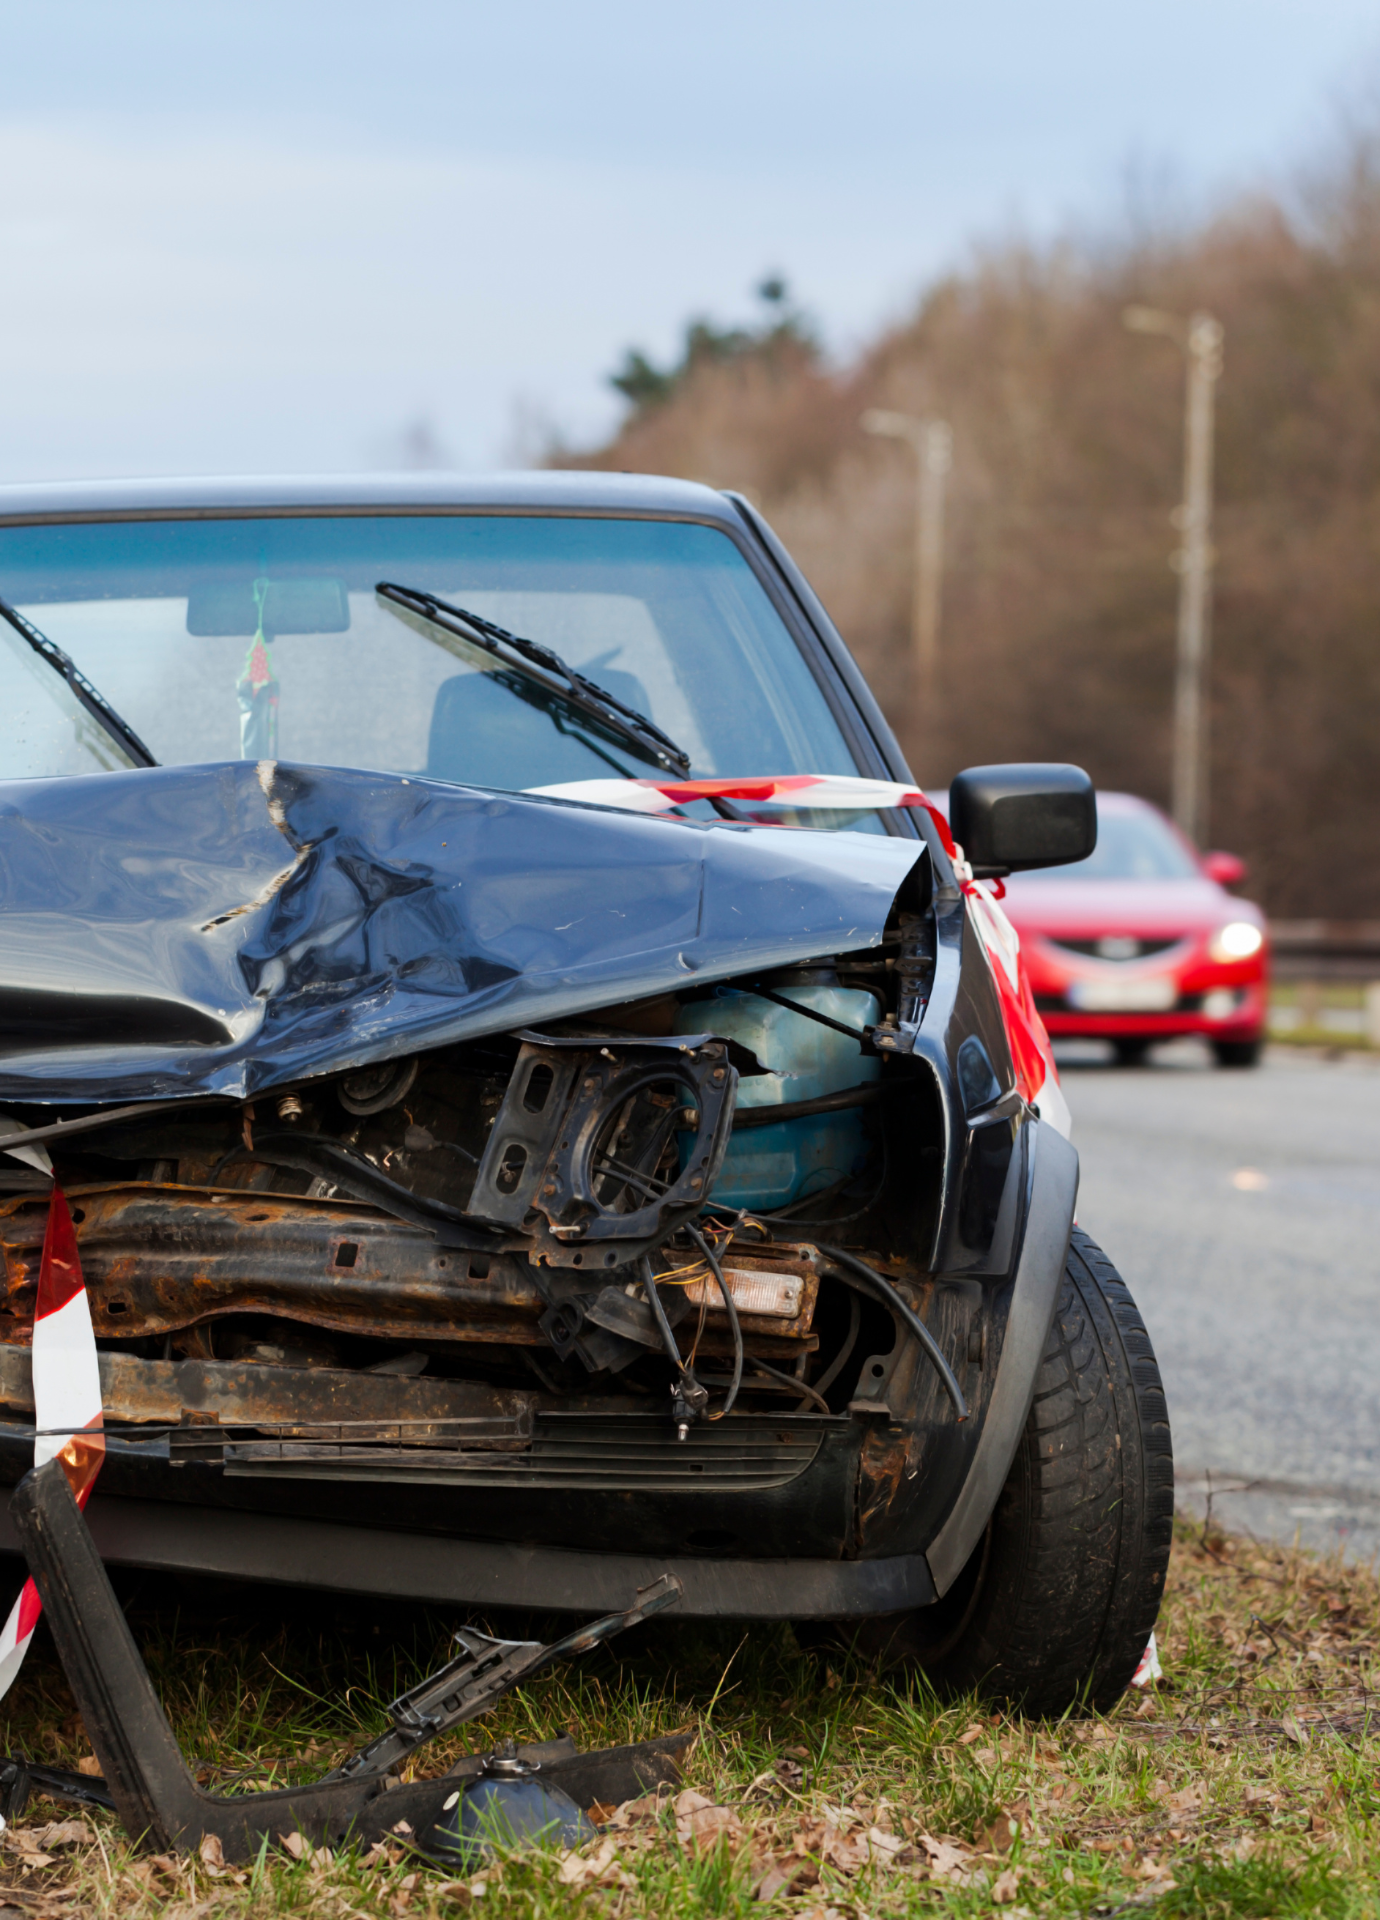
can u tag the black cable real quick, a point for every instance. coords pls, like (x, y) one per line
(840, 1359)
(784, 1214)
(800, 1109)
(707, 1250)
(362, 1180)
(810, 1013)
(891, 1298)
(540, 1371)
(800, 1386)
(668, 1339)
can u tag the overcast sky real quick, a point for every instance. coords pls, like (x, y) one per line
(245, 236)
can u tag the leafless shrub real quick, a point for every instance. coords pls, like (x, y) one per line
(1059, 601)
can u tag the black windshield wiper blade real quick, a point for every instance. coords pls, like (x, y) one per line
(545, 667)
(90, 697)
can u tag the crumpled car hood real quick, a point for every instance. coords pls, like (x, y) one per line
(228, 928)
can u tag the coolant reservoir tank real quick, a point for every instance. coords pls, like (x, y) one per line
(771, 1165)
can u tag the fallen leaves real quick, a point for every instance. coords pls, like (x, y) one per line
(949, 1860)
(36, 1847)
(701, 1824)
(581, 1867)
(212, 1856)
(998, 1836)
(782, 1876)
(638, 1813)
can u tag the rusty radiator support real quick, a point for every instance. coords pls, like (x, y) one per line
(160, 1259)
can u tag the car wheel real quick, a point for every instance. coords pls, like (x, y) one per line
(1131, 1052)
(1057, 1603)
(1236, 1053)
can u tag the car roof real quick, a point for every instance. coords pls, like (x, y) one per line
(536, 492)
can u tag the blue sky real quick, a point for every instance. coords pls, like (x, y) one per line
(248, 236)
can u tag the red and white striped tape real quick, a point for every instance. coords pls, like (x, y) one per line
(1149, 1669)
(772, 792)
(67, 1400)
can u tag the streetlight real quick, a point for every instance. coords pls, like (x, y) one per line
(933, 445)
(1199, 338)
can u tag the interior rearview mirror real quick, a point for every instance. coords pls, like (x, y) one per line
(218, 607)
(1012, 818)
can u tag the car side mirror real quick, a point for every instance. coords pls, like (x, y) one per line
(1227, 869)
(1010, 819)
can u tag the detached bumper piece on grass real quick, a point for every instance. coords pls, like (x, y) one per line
(519, 1794)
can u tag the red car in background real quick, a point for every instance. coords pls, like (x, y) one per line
(1142, 942)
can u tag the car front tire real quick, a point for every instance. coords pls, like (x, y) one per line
(1237, 1053)
(1057, 1603)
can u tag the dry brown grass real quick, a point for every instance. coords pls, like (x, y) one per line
(1245, 1784)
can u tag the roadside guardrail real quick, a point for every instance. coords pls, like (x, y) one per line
(1326, 980)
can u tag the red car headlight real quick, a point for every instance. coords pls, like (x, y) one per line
(1237, 940)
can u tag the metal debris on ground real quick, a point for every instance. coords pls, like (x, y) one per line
(518, 1795)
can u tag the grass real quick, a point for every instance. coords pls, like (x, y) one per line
(1246, 1783)
(1308, 1004)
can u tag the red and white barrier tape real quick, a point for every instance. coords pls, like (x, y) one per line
(773, 792)
(67, 1400)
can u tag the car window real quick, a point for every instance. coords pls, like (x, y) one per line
(181, 624)
(1130, 846)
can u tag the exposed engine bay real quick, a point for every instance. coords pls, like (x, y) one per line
(524, 1214)
(497, 1147)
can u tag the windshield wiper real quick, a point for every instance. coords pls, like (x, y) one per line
(94, 701)
(547, 669)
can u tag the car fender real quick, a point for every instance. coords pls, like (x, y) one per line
(1044, 1249)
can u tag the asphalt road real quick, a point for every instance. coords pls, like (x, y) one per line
(1243, 1209)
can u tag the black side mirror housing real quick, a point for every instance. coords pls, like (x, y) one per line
(1010, 819)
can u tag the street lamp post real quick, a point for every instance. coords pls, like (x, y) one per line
(932, 442)
(1200, 339)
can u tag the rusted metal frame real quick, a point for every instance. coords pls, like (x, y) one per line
(255, 1397)
(157, 1260)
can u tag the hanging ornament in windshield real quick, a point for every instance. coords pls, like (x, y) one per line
(257, 689)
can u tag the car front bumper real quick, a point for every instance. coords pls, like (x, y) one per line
(1217, 1008)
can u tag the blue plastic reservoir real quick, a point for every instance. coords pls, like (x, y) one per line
(770, 1166)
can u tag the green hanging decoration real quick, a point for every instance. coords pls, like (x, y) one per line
(257, 689)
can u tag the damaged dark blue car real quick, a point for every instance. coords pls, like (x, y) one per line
(543, 1100)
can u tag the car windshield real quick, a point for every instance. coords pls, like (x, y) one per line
(1130, 846)
(263, 637)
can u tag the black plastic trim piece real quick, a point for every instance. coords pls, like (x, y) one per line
(1049, 1223)
(153, 1789)
(288, 1551)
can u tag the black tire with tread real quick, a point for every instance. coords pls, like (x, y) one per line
(1054, 1610)
(1237, 1053)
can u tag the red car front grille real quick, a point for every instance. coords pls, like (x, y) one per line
(1125, 947)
